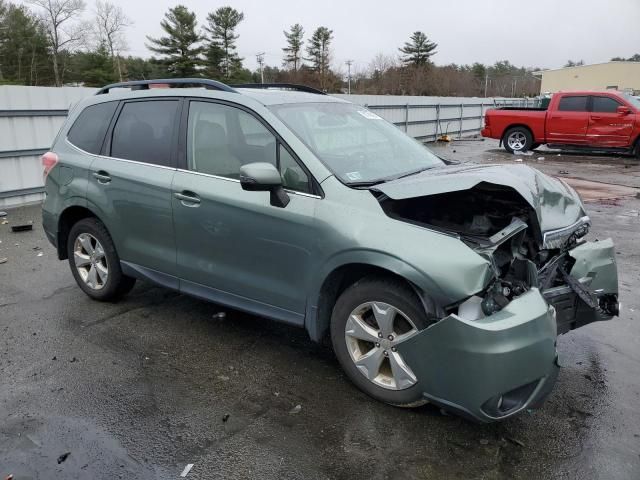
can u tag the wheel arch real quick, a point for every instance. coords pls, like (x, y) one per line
(514, 125)
(68, 218)
(339, 277)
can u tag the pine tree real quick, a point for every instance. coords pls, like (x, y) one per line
(418, 50)
(319, 55)
(180, 49)
(221, 49)
(293, 50)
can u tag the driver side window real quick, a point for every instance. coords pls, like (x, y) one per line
(221, 138)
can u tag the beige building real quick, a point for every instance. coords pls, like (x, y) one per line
(624, 76)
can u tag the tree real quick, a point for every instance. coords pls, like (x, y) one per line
(319, 55)
(24, 58)
(221, 27)
(111, 22)
(633, 58)
(418, 50)
(93, 68)
(63, 34)
(571, 63)
(293, 50)
(180, 49)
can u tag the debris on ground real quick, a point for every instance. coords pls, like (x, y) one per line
(37, 248)
(484, 441)
(517, 159)
(540, 159)
(9, 477)
(225, 417)
(186, 470)
(3, 260)
(563, 172)
(40, 254)
(3, 214)
(515, 441)
(224, 378)
(4, 222)
(444, 138)
(528, 153)
(63, 457)
(295, 410)
(25, 227)
(73, 360)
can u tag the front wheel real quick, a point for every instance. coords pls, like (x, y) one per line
(94, 262)
(518, 139)
(369, 321)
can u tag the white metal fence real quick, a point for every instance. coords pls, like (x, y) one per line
(30, 118)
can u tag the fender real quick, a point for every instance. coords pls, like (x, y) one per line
(316, 326)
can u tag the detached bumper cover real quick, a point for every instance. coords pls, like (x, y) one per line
(490, 368)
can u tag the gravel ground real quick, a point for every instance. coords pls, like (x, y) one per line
(141, 388)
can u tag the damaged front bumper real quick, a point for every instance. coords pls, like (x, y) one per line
(493, 367)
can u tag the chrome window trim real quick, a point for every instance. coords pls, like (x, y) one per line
(66, 139)
(210, 175)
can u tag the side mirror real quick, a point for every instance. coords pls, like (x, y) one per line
(264, 177)
(623, 110)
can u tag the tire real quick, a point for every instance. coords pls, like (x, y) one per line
(517, 136)
(381, 292)
(89, 262)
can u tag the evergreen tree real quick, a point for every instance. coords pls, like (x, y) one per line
(418, 50)
(293, 50)
(24, 57)
(92, 69)
(319, 55)
(221, 50)
(180, 49)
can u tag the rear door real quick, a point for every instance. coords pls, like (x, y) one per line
(130, 184)
(568, 123)
(233, 246)
(607, 127)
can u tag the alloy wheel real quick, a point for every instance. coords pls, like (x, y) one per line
(517, 141)
(373, 332)
(90, 261)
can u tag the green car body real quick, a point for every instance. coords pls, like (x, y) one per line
(291, 262)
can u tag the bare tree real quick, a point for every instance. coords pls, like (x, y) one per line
(62, 30)
(111, 23)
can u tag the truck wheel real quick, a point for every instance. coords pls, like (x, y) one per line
(518, 139)
(94, 262)
(370, 319)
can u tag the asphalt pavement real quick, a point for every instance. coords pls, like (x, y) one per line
(142, 388)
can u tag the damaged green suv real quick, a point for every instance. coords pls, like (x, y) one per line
(436, 283)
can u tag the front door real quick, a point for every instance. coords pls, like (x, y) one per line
(607, 127)
(567, 124)
(130, 185)
(232, 245)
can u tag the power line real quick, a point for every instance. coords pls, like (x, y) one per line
(260, 60)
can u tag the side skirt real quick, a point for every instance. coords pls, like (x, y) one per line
(213, 295)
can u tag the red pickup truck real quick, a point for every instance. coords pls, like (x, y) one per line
(603, 121)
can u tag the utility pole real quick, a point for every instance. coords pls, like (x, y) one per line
(260, 60)
(349, 62)
(486, 84)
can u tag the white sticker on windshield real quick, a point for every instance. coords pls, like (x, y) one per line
(370, 115)
(353, 176)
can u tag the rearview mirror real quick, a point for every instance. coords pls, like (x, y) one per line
(623, 110)
(264, 177)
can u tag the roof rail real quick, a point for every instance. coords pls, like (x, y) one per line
(281, 86)
(171, 82)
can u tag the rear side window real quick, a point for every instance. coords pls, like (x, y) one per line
(573, 104)
(605, 105)
(144, 131)
(90, 127)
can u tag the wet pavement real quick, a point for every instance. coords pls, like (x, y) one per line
(141, 388)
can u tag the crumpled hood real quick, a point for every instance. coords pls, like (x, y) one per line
(556, 204)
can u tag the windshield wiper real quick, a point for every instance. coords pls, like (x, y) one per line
(369, 183)
(415, 172)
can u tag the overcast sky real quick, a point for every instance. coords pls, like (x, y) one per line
(535, 33)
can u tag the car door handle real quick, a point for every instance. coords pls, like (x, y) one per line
(188, 199)
(102, 177)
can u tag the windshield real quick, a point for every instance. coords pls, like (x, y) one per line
(635, 101)
(357, 145)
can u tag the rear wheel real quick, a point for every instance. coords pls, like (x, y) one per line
(94, 262)
(370, 320)
(518, 139)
